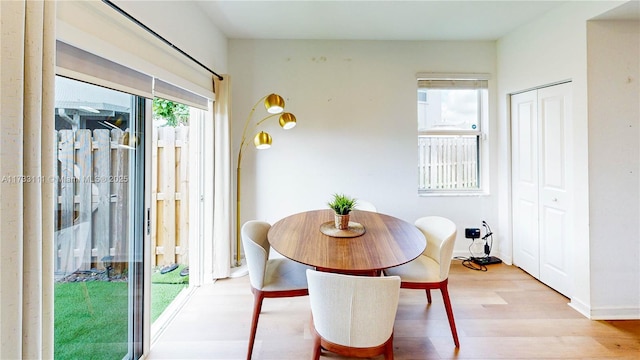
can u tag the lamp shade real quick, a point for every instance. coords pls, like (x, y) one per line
(287, 120)
(262, 140)
(274, 104)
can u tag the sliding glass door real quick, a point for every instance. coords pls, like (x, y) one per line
(100, 222)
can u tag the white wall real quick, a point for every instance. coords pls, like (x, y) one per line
(184, 24)
(357, 126)
(550, 49)
(614, 167)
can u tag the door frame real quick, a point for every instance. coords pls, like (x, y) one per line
(146, 308)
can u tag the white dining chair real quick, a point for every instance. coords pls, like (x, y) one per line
(365, 205)
(431, 269)
(269, 278)
(353, 315)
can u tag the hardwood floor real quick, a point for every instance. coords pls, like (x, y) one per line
(500, 314)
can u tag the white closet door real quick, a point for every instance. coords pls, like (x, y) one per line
(554, 116)
(524, 137)
(541, 149)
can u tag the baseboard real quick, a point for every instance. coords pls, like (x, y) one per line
(615, 313)
(580, 307)
(605, 313)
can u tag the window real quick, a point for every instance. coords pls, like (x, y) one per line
(450, 117)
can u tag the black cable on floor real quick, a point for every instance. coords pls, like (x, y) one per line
(470, 264)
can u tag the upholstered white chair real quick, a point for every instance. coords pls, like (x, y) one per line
(365, 205)
(270, 278)
(353, 315)
(431, 269)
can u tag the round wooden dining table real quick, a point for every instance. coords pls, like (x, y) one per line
(386, 242)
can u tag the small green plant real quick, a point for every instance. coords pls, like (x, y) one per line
(174, 113)
(342, 204)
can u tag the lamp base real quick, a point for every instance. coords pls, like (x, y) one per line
(239, 270)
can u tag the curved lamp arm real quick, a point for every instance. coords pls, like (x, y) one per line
(246, 125)
(244, 143)
(274, 105)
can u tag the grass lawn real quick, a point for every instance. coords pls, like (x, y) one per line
(91, 317)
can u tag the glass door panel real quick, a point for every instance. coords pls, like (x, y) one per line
(176, 213)
(99, 222)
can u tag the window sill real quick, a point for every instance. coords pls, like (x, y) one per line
(477, 193)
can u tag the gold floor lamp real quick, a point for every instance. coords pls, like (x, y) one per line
(274, 105)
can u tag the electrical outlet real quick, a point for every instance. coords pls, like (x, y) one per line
(472, 233)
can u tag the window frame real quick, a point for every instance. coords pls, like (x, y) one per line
(480, 133)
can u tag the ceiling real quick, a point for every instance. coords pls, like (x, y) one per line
(383, 19)
(373, 20)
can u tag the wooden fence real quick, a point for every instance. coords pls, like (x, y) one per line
(92, 186)
(169, 194)
(447, 162)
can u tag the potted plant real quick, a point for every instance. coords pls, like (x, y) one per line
(342, 206)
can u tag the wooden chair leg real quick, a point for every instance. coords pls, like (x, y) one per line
(447, 306)
(257, 307)
(317, 348)
(388, 349)
(428, 291)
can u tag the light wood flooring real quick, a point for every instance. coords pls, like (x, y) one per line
(502, 313)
